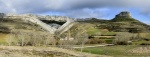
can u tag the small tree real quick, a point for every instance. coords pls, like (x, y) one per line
(20, 37)
(23, 38)
(82, 38)
(81, 35)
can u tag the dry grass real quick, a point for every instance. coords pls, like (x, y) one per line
(141, 50)
(145, 35)
(121, 50)
(3, 38)
(8, 51)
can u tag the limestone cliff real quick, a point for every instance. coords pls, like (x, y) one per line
(16, 21)
(124, 14)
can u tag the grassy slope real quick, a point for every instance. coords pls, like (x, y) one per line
(117, 51)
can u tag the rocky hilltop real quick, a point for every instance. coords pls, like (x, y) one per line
(124, 14)
(122, 22)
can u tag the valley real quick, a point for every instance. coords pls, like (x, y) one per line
(96, 37)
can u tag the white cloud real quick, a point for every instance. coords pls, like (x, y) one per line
(87, 12)
(72, 6)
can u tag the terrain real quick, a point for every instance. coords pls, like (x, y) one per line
(120, 51)
(106, 31)
(44, 35)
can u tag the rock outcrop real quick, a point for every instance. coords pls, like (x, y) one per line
(36, 19)
(124, 14)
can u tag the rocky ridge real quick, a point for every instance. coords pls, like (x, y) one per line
(36, 19)
(125, 14)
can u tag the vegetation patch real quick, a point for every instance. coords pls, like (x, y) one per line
(117, 51)
(3, 38)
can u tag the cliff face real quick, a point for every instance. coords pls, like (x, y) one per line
(33, 22)
(124, 14)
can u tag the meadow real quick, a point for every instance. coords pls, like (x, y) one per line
(120, 50)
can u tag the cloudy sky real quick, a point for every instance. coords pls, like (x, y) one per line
(105, 9)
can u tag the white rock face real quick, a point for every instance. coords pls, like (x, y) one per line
(56, 18)
(37, 20)
(40, 23)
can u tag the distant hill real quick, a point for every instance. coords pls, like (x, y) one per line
(123, 22)
(124, 16)
(9, 24)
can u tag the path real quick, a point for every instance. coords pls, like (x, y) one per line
(95, 46)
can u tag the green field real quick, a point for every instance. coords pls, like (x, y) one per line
(116, 51)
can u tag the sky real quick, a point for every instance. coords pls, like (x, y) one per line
(102, 9)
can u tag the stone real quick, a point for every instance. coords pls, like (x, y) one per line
(125, 14)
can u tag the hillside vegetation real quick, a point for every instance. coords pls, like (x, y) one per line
(121, 30)
(123, 23)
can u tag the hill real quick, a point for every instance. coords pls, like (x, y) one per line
(8, 24)
(123, 22)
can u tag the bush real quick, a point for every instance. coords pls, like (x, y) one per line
(121, 43)
(122, 38)
(109, 41)
(95, 41)
(145, 43)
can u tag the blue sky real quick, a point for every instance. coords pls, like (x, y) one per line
(103, 9)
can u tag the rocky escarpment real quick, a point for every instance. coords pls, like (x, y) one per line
(9, 23)
(51, 25)
(123, 16)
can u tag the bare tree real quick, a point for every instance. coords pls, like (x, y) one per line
(9, 40)
(81, 35)
(82, 38)
(123, 38)
(23, 38)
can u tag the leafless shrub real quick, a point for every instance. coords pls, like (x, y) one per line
(23, 38)
(122, 38)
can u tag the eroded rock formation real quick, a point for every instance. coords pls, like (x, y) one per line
(37, 19)
(125, 14)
